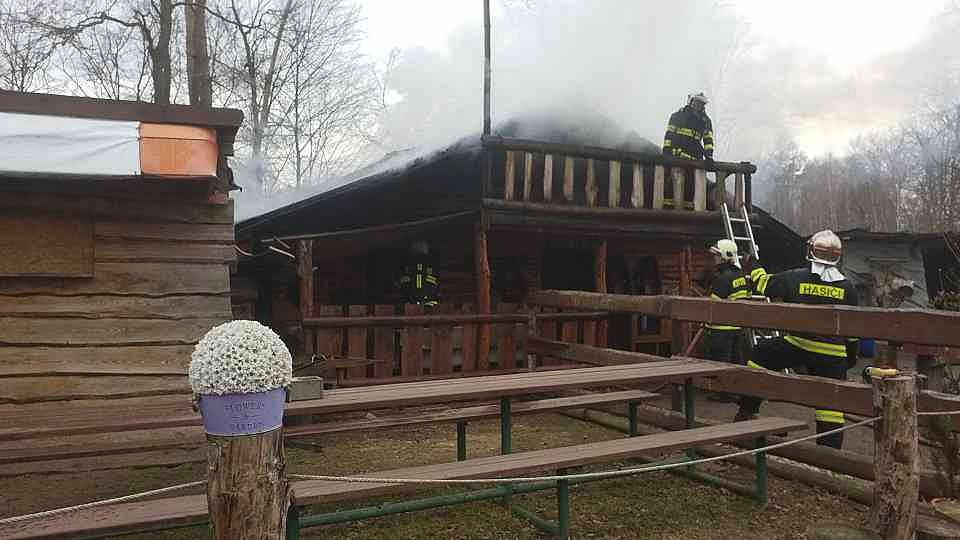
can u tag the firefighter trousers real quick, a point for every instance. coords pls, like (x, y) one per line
(778, 354)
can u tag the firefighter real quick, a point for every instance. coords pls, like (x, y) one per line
(690, 131)
(824, 356)
(726, 342)
(418, 285)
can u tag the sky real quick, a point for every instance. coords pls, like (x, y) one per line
(844, 39)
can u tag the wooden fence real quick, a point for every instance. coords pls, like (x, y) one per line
(538, 172)
(390, 341)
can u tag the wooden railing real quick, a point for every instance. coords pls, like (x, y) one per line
(537, 172)
(388, 341)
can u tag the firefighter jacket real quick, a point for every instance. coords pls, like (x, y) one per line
(802, 286)
(689, 135)
(418, 284)
(729, 283)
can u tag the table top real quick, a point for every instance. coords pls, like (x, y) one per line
(58, 419)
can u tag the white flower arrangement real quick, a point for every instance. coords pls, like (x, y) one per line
(240, 357)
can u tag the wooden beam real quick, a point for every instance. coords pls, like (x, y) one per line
(366, 231)
(738, 192)
(925, 327)
(585, 354)
(568, 179)
(720, 189)
(679, 178)
(305, 276)
(636, 199)
(547, 178)
(591, 188)
(618, 213)
(509, 176)
(699, 190)
(659, 177)
(482, 264)
(527, 175)
(600, 283)
(399, 321)
(613, 195)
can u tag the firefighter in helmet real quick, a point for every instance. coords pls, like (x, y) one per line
(826, 356)
(690, 132)
(418, 284)
(729, 283)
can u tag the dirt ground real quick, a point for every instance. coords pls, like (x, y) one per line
(652, 505)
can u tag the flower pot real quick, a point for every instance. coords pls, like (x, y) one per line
(242, 414)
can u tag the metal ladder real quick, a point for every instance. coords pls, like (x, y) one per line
(747, 238)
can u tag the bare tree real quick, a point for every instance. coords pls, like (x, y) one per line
(198, 56)
(25, 52)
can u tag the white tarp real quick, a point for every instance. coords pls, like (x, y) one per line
(32, 143)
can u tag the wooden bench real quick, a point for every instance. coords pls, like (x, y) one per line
(191, 510)
(176, 440)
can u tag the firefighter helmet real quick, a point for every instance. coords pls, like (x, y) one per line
(698, 97)
(824, 248)
(727, 251)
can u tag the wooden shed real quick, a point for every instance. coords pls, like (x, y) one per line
(116, 235)
(502, 217)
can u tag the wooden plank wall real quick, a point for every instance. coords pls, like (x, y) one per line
(436, 349)
(160, 281)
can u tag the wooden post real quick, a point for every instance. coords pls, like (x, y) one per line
(738, 193)
(600, 283)
(636, 200)
(305, 277)
(547, 178)
(482, 263)
(896, 452)
(527, 175)
(679, 177)
(592, 190)
(508, 176)
(568, 179)
(247, 491)
(699, 190)
(720, 189)
(659, 175)
(613, 187)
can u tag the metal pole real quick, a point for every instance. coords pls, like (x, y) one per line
(761, 472)
(563, 507)
(688, 410)
(486, 67)
(506, 438)
(293, 523)
(632, 417)
(461, 440)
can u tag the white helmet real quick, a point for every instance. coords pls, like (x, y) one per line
(697, 97)
(824, 248)
(726, 249)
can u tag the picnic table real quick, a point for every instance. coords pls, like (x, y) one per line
(191, 509)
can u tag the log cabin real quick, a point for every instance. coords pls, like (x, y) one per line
(502, 216)
(116, 234)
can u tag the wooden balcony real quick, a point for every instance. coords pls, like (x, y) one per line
(583, 180)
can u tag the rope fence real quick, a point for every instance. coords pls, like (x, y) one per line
(470, 481)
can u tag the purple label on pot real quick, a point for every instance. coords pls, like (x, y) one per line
(242, 414)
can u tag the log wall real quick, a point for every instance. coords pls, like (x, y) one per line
(160, 279)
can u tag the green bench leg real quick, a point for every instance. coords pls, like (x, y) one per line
(761, 472)
(506, 436)
(632, 417)
(293, 523)
(689, 410)
(563, 507)
(461, 440)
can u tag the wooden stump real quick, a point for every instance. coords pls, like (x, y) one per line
(247, 491)
(897, 487)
